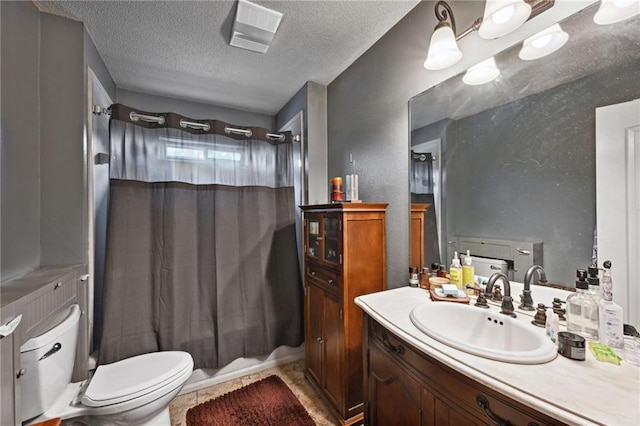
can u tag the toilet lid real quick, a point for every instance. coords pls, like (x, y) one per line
(133, 377)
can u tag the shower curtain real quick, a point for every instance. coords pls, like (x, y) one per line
(201, 248)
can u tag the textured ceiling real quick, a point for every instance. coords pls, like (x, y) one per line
(180, 49)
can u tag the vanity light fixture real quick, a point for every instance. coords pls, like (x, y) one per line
(500, 18)
(543, 43)
(482, 73)
(612, 11)
(443, 48)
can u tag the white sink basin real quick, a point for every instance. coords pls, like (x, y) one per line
(484, 333)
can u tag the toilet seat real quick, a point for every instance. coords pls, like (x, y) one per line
(136, 377)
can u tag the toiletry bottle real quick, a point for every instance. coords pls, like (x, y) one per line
(434, 269)
(552, 327)
(591, 309)
(442, 271)
(455, 272)
(424, 278)
(610, 331)
(594, 283)
(468, 274)
(578, 304)
(414, 279)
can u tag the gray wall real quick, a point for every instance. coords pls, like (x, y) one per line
(92, 59)
(43, 164)
(368, 109)
(312, 99)
(62, 167)
(195, 110)
(20, 204)
(526, 170)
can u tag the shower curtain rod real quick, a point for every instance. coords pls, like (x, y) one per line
(134, 116)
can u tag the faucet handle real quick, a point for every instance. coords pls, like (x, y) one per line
(507, 306)
(481, 301)
(526, 301)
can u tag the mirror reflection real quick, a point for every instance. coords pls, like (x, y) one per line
(512, 162)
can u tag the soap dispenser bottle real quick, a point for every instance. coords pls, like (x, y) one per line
(455, 272)
(610, 331)
(468, 274)
(578, 305)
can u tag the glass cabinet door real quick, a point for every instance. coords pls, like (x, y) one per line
(331, 227)
(313, 237)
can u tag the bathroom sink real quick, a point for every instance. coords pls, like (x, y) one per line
(484, 333)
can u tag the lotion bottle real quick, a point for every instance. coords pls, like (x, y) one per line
(610, 313)
(578, 304)
(455, 272)
(468, 273)
(552, 327)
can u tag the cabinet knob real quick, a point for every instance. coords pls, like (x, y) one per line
(330, 281)
(57, 285)
(21, 373)
(319, 339)
(313, 272)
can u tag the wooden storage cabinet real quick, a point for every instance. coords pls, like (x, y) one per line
(405, 386)
(345, 257)
(417, 253)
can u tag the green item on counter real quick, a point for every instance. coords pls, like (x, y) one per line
(604, 353)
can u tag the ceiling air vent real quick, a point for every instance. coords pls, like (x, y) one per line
(254, 26)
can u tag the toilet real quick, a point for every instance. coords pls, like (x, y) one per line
(134, 392)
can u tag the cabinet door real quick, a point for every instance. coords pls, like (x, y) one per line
(394, 397)
(314, 344)
(333, 352)
(313, 236)
(332, 227)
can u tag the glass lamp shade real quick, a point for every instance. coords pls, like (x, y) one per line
(502, 17)
(443, 49)
(543, 43)
(482, 73)
(612, 11)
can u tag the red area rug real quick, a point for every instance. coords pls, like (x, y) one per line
(267, 402)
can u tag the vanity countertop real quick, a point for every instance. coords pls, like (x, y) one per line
(575, 392)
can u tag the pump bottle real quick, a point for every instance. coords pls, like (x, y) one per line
(455, 272)
(580, 306)
(468, 273)
(610, 331)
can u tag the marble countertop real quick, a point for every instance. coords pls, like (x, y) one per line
(575, 392)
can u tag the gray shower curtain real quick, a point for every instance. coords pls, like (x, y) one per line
(201, 248)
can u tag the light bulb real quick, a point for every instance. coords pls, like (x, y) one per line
(482, 73)
(612, 11)
(443, 49)
(503, 15)
(541, 42)
(623, 3)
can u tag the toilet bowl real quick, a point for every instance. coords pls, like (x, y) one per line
(134, 392)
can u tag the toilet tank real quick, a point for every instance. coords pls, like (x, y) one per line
(48, 363)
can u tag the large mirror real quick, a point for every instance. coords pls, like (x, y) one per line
(515, 159)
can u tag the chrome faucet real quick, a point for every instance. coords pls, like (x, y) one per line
(526, 302)
(507, 301)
